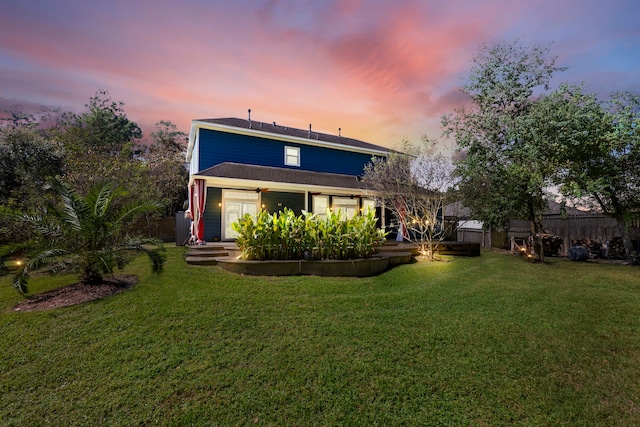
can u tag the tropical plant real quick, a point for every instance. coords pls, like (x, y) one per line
(284, 236)
(86, 234)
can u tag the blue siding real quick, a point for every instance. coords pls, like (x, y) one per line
(218, 147)
(213, 214)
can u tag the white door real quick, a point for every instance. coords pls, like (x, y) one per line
(236, 204)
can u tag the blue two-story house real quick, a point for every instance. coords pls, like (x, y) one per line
(241, 166)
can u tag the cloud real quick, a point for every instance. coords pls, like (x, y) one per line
(380, 70)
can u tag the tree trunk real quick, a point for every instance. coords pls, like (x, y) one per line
(535, 224)
(90, 276)
(618, 215)
(536, 233)
(626, 238)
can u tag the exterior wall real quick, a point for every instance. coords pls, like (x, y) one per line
(475, 236)
(213, 215)
(272, 201)
(275, 201)
(217, 147)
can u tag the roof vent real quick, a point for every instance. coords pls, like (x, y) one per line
(309, 130)
(274, 123)
(339, 132)
(249, 110)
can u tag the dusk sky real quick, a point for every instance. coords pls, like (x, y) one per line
(383, 71)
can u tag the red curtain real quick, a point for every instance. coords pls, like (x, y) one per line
(198, 199)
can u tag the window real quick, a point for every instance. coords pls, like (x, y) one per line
(320, 205)
(346, 206)
(292, 156)
(368, 205)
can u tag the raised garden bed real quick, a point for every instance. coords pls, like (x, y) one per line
(328, 268)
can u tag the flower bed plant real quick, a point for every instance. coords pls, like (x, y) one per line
(285, 236)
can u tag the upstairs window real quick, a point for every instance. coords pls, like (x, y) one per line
(292, 156)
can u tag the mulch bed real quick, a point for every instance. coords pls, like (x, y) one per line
(76, 294)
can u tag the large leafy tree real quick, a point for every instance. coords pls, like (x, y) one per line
(27, 160)
(86, 234)
(102, 128)
(599, 147)
(504, 172)
(102, 142)
(87, 148)
(166, 159)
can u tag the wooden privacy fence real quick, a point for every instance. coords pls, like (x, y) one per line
(490, 238)
(570, 230)
(170, 229)
(164, 229)
(597, 228)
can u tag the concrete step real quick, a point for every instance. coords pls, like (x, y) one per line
(207, 253)
(207, 248)
(398, 248)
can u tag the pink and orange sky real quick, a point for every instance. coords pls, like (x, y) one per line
(381, 70)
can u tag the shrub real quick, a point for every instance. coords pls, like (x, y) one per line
(285, 236)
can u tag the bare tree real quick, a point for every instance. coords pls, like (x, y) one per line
(414, 184)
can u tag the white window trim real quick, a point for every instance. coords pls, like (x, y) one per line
(286, 157)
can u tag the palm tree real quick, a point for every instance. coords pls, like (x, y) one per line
(87, 235)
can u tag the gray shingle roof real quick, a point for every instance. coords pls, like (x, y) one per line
(299, 133)
(273, 174)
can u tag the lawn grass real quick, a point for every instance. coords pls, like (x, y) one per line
(475, 341)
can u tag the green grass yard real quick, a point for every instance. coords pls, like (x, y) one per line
(474, 341)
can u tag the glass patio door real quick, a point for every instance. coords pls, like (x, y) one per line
(236, 204)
